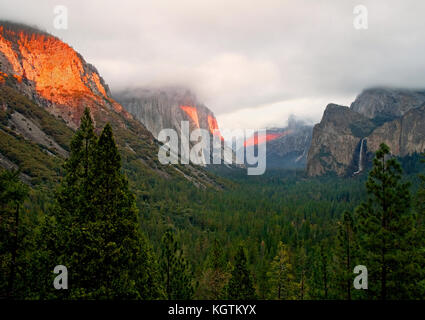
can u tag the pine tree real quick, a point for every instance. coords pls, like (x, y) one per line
(75, 194)
(262, 270)
(215, 275)
(302, 273)
(316, 278)
(12, 195)
(96, 225)
(126, 264)
(385, 226)
(324, 268)
(240, 285)
(177, 277)
(419, 241)
(281, 274)
(75, 245)
(345, 249)
(320, 277)
(420, 198)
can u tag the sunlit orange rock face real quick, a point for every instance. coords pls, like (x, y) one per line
(213, 126)
(3, 77)
(192, 113)
(262, 138)
(58, 73)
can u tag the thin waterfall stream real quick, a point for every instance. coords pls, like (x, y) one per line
(361, 157)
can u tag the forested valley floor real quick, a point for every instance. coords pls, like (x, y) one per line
(281, 235)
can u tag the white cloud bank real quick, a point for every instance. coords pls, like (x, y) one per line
(252, 62)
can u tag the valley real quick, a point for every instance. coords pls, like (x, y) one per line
(89, 191)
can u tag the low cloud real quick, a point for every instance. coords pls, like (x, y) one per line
(252, 62)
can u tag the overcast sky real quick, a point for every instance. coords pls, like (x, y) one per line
(251, 62)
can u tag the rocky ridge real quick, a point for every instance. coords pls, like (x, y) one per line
(347, 137)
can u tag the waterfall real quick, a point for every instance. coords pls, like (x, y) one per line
(361, 156)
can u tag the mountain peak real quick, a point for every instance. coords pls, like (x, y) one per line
(387, 103)
(36, 60)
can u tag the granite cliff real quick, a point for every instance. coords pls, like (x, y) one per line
(347, 137)
(289, 146)
(166, 108)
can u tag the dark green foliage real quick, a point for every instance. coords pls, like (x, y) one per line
(12, 195)
(412, 164)
(240, 285)
(36, 164)
(362, 128)
(301, 274)
(259, 210)
(379, 120)
(96, 225)
(175, 270)
(33, 159)
(281, 275)
(345, 252)
(420, 202)
(324, 269)
(215, 274)
(419, 239)
(93, 226)
(386, 230)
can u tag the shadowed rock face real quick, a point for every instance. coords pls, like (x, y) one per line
(289, 149)
(387, 103)
(404, 136)
(286, 147)
(335, 140)
(162, 108)
(166, 108)
(395, 117)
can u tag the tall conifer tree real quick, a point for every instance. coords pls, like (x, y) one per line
(240, 284)
(344, 252)
(385, 225)
(177, 277)
(215, 276)
(12, 195)
(96, 223)
(281, 274)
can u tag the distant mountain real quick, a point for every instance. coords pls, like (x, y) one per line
(287, 147)
(44, 87)
(166, 108)
(387, 103)
(346, 138)
(290, 147)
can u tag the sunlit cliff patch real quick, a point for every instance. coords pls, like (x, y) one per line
(262, 138)
(192, 113)
(54, 70)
